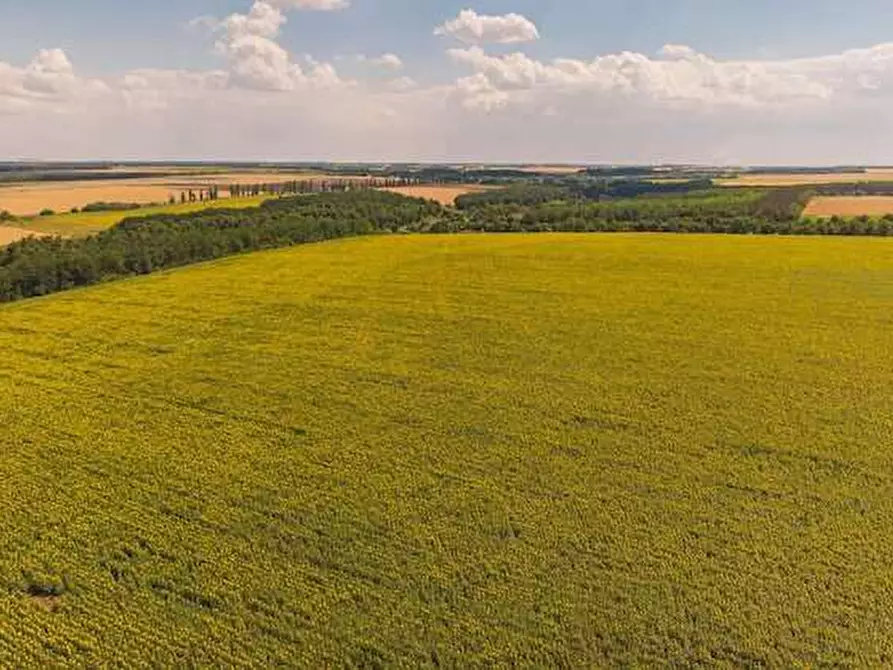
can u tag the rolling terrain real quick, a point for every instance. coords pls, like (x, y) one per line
(561, 450)
(433, 450)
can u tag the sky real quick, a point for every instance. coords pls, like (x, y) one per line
(805, 82)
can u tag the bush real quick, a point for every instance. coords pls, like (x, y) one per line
(110, 206)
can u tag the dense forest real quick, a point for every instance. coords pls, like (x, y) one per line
(685, 207)
(855, 188)
(567, 189)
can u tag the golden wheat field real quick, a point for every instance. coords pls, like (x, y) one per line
(869, 205)
(9, 235)
(31, 198)
(445, 195)
(871, 175)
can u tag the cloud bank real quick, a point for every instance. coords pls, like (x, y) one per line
(266, 102)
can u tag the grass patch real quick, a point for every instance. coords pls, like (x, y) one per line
(81, 224)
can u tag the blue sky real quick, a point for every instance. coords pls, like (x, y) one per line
(109, 35)
(106, 40)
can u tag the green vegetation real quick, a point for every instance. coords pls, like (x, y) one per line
(141, 245)
(576, 189)
(80, 224)
(855, 188)
(110, 206)
(157, 241)
(721, 210)
(456, 451)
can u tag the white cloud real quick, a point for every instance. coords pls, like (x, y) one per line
(389, 61)
(153, 90)
(403, 84)
(49, 79)
(266, 102)
(473, 28)
(257, 60)
(478, 92)
(681, 77)
(205, 22)
(312, 5)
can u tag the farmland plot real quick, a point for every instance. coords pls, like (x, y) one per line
(530, 450)
(868, 205)
(444, 194)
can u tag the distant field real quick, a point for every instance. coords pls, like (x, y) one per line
(11, 234)
(849, 206)
(30, 198)
(806, 179)
(553, 169)
(470, 451)
(445, 195)
(86, 223)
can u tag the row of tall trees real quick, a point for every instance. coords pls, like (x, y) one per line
(321, 185)
(719, 210)
(287, 188)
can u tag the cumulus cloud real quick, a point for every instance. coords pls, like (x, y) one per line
(387, 61)
(675, 105)
(50, 78)
(257, 60)
(680, 77)
(311, 5)
(479, 92)
(473, 28)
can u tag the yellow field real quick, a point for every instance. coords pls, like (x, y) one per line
(469, 451)
(807, 179)
(31, 198)
(869, 205)
(445, 195)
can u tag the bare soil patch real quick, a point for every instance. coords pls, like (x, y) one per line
(445, 195)
(870, 205)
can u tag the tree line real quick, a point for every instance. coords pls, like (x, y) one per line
(533, 193)
(141, 245)
(686, 207)
(292, 187)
